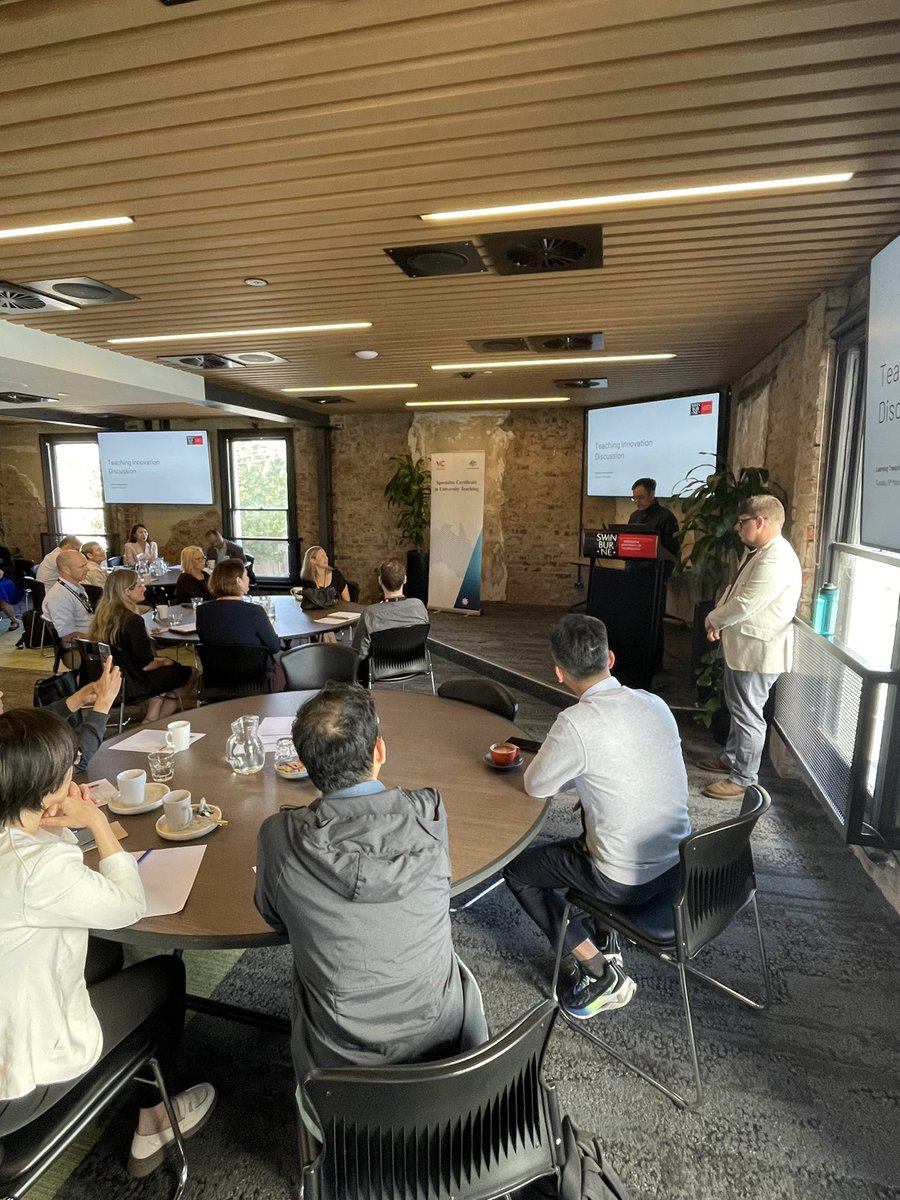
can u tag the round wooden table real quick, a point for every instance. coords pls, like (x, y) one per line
(430, 743)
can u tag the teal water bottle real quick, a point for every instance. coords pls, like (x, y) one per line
(825, 610)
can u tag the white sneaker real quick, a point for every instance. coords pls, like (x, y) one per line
(193, 1109)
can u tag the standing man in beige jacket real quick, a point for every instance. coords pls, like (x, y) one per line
(753, 622)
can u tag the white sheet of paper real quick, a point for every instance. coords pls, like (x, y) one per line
(345, 616)
(168, 876)
(184, 627)
(275, 727)
(335, 620)
(144, 741)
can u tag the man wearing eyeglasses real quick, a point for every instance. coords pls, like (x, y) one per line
(753, 623)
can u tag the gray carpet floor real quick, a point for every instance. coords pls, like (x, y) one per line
(802, 1100)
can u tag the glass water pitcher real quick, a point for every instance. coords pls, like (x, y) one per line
(244, 749)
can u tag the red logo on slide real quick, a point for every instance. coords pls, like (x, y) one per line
(195, 439)
(701, 408)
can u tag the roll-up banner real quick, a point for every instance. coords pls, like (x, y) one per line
(881, 455)
(457, 530)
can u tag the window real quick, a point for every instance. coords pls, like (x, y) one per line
(257, 498)
(74, 490)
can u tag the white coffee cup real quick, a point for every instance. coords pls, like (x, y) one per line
(162, 612)
(131, 786)
(177, 807)
(178, 735)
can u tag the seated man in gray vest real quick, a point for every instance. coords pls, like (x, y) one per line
(391, 612)
(360, 883)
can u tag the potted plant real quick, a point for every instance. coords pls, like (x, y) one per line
(711, 503)
(409, 490)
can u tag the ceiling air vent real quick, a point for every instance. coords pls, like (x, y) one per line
(82, 290)
(499, 345)
(17, 299)
(326, 399)
(253, 358)
(581, 383)
(22, 398)
(200, 362)
(562, 343)
(443, 258)
(543, 251)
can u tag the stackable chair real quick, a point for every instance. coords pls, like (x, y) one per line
(717, 882)
(310, 667)
(473, 1127)
(230, 672)
(398, 655)
(93, 656)
(483, 693)
(26, 1154)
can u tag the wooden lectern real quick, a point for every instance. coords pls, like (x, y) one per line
(629, 603)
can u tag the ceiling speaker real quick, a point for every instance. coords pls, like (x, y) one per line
(443, 258)
(544, 251)
(562, 343)
(82, 290)
(17, 299)
(508, 345)
(326, 399)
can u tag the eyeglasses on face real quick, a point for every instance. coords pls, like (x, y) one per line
(741, 521)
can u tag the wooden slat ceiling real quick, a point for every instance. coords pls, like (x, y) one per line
(296, 141)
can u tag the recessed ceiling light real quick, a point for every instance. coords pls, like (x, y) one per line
(193, 337)
(551, 362)
(355, 387)
(459, 403)
(254, 281)
(683, 193)
(65, 227)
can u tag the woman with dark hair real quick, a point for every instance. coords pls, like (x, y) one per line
(192, 583)
(118, 622)
(64, 1000)
(225, 621)
(139, 546)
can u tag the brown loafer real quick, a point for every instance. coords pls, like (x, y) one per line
(724, 789)
(711, 764)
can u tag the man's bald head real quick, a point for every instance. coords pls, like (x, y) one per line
(72, 565)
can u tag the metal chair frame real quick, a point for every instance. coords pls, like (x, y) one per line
(712, 891)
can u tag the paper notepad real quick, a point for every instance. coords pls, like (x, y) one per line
(168, 876)
(145, 741)
(333, 620)
(344, 616)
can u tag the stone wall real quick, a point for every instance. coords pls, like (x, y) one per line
(23, 513)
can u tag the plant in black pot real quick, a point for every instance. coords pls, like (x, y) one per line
(711, 502)
(409, 491)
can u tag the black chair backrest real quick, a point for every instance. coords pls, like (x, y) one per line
(37, 589)
(392, 651)
(469, 1127)
(93, 655)
(483, 693)
(353, 591)
(312, 666)
(94, 593)
(717, 874)
(239, 670)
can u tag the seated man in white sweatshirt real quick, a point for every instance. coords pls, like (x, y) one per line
(621, 750)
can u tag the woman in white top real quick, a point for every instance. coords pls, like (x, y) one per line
(139, 546)
(62, 1006)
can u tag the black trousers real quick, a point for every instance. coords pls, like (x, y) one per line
(541, 875)
(149, 993)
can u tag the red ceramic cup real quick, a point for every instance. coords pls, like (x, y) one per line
(504, 753)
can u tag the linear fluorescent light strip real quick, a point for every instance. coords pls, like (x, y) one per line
(228, 333)
(550, 362)
(460, 403)
(354, 387)
(65, 227)
(684, 193)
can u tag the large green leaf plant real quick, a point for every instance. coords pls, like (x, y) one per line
(409, 490)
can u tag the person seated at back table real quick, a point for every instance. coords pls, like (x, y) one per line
(119, 624)
(97, 571)
(219, 548)
(316, 573)
(192, 583)
(47, 572)
(139, 546)
(67, 605)
(620, 747)
(65, 1001)
(225, 621)
(360, 883)
(392, 612)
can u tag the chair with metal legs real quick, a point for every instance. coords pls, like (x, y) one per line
(717, 882)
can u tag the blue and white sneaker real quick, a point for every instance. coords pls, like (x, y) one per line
(591, 996)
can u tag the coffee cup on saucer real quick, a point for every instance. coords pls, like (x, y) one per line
(178, 735)
(504, 753)
(177, 807)
(131, 786)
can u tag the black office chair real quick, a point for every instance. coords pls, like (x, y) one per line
(230, 672)
(312, 666)
(353, 591)
(397, 655)
(479, 1125)
(717, 882)
(93, 656)
(94, 594)
(28, 1153)
(60, 650)
(483, 693)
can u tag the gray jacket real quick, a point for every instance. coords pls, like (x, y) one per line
(361, 886)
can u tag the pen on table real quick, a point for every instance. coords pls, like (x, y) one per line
(144, 855)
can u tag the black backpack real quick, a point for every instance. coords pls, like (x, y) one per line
(585, 1173)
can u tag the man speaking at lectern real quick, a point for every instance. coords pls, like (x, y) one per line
(650, 515)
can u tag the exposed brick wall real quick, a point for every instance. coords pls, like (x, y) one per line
(306, 484)
(22, 511)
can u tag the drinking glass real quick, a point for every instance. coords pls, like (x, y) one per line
(162, 765)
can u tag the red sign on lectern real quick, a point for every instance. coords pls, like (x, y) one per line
(637, 545)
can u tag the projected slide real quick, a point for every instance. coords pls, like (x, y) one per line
(660, 438)
(165, 467)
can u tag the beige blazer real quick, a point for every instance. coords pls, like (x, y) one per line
(755, 614)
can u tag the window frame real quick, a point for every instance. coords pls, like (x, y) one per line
(48, 441)
(227, 438)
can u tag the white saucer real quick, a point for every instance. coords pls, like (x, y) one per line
(197, 828)
(153, 798)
